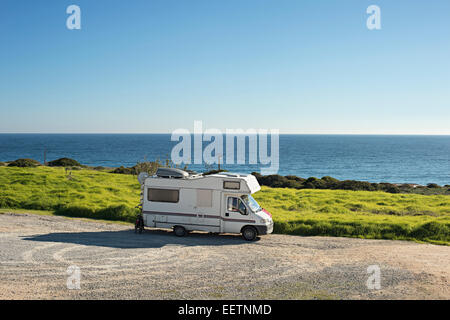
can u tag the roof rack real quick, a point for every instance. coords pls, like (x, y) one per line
(230, 174)
(176, 173)
(171, 173)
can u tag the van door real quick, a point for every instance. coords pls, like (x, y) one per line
(207, 210)
(236, 214)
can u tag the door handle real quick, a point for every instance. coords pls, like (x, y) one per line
(227, 214)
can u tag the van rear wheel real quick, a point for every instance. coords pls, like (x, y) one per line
(179, 231)
(249, 233)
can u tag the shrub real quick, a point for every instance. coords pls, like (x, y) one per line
(293, 184)
(295, 178)
(331, 183)
(64, 162)
(406, 187)
(314, 183)
(24, 163)
(2, 164)
(274, 181)
(123, 170)
(327, 182)
(389, 187)
(146, 166)
(432, 185)
(356, 185)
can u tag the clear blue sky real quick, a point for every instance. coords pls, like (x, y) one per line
(155, 66)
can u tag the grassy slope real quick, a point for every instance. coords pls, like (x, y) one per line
(304, 212)
(364, 214)
(88, 194)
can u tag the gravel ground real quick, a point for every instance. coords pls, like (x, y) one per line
(116, 263)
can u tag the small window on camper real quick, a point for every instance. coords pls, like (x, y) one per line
(233, 185)
(163, 195)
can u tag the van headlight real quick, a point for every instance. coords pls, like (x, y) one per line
(265, 221)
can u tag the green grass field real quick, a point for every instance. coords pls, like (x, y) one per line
(363, 214)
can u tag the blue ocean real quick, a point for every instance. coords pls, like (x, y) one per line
(373, 158)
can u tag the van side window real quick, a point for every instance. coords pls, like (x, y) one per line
(233, 185)
(163, 195)
(232, 204)
(236, 205)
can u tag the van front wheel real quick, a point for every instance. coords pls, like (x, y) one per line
(179, 231)
(249, 233)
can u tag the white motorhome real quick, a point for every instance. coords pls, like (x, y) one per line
(218, 203)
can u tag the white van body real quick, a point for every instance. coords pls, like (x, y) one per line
(219, 203)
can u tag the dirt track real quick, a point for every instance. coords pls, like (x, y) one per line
(115, 263)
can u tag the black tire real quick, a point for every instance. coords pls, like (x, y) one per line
(249, 233)
(179, 231)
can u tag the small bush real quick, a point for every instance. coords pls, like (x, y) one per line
(64, 162)
(432, 185)
(293, 184)
(147, 166)
(274, 180)
(315, 183)
(2, 164)
(355, 185)
(330, 182)
(24, 163)
(291, 177)
(123, 170)
(389, 187)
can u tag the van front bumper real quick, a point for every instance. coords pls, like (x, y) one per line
(265, 229)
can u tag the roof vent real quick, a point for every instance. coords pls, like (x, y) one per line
(171, 173)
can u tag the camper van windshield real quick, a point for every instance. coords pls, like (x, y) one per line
(251, 203)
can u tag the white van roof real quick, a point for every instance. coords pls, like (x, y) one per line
(247, 183)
